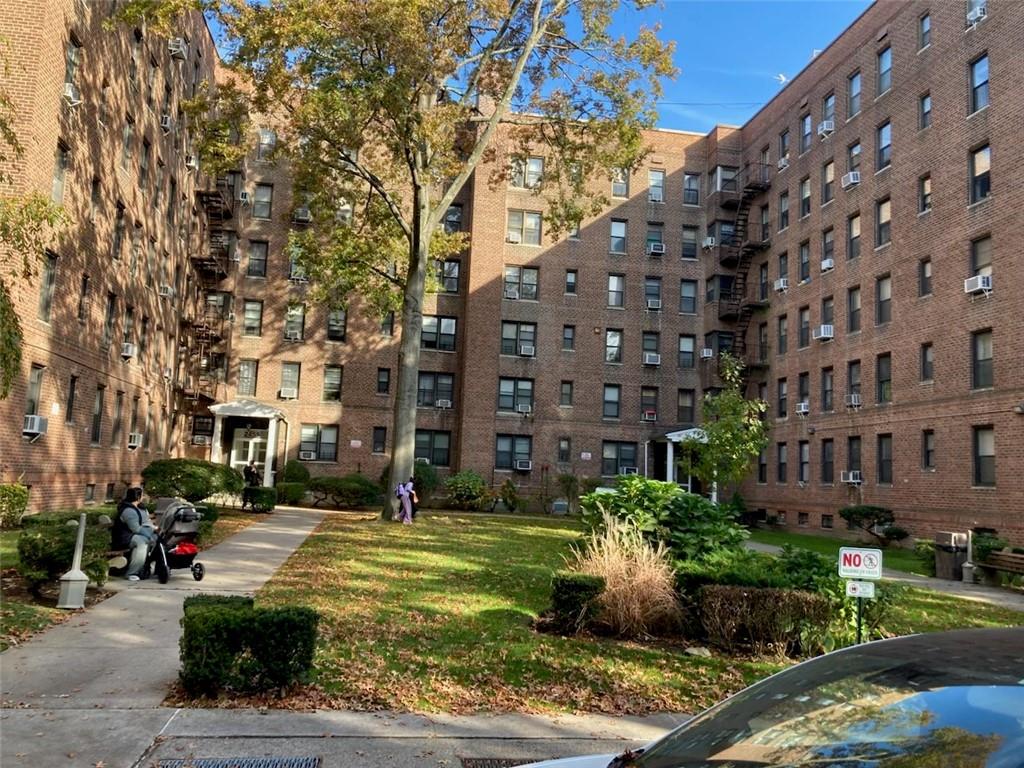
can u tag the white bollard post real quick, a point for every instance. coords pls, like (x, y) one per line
(74, 582)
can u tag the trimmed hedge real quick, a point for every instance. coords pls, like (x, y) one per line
(290, 493)
(47, 551)
(190, 479)
(13, 503)
(768, 620)
(573, 597)
(262, 498)
(61, 517)
(294, 472)
(227, 643)
(353, 490)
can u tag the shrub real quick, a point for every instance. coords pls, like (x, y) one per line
(924, 549)
(573, 596)
(466, 490)
(569, 485)
(353, 490)
(201, 601)
(46, 552)
(13, 503)
(290, 493)
(637, 500)
(590, 484)
(984, 544)
(425, 481)
(692, 526)
(510, 495)
(735, 567)
(871, 519)
(190, 479)
(769, 620)
(210, 512)
(639, 596)
(61, 517)
(262, 498)
(280, 643)
(211, 641)
(294, 472)
(894, 533)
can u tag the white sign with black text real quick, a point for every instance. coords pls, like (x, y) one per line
(860, 589)
(857, 563)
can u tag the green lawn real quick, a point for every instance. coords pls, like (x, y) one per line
(9, 549)
(437, 617)
(894, 557)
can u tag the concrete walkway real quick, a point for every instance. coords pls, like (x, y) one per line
(1002, 598)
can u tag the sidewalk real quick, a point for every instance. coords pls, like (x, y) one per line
(1001, 598)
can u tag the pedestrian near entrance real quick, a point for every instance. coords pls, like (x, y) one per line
(252, 477)
(133, 530)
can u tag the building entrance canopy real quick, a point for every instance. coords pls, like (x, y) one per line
(247, 409)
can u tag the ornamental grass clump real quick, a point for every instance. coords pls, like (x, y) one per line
(639, 597)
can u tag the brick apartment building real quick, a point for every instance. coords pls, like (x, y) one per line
(170, 321)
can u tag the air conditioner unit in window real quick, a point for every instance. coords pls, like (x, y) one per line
(707, 353)
(850, 179)
(652, 358)
(655, 195)
(178, 48)
(165, 291)
(824, 332)
(289, 393)
(827, 265)
(650, 415)
(802, 409)
(782, 284)
(655, 249)
(783, 162)
(307, 455)
(298, 276)
(191, 162)
(524, 408)
(978, 284)
(443, 404)
(168, 373)
(166, 123)
(512, 292)
(72, 95)
(628, 471)
(853, 401)
(128, 351)
(654, 304)
(977, 14)
(34, 427)
(244, 197)
(231, 317)
(826, 128)
(293, 335)
(523, 465)
(709, 242)
(134, 440)
(302, 214)
(527, 350)
(851, 477)
(201, 440)
(514, 237)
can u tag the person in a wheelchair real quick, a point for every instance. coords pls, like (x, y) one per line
(133, 530)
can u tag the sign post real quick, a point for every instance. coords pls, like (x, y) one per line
(858, 564)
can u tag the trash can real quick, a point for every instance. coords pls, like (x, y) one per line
(950, 555)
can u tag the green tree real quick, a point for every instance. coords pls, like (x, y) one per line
(733, 428)
(386, 109)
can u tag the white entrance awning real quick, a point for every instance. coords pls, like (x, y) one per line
(696, 434)
(247, 409)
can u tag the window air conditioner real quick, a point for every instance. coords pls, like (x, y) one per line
(178, 48)
(168, 373)
(824, 332)
(976, 15)
(527, 350)
(828, 265)
(166, 124)
(782, 284)
(709, 242)
(298, 276)
(707, 353)
(853, 401)
(422, 460)
(850, 179)
(165, 291)
(514, 237)
(650, 415)
(134, 440)
(128, 351)
(654, 304)
(444, 404)
(851, 477)
(302, 214)
(978, 284)
(289, 393)
(72, 95)
(34, 426)
(231, 317)
(201, 440)
(307, 455)
(628, 471)
(191, 162)
(652, 358)
(244, 197)
(802, 409)
(655, 195)
(655, 249)
(512, 292)
(524, 408)
(293, 335)
(784, 162)
(826, 128)
(523, 465)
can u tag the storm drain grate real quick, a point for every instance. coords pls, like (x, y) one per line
(243, 762)
(495, 762)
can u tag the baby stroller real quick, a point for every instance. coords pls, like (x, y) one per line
(175, 546)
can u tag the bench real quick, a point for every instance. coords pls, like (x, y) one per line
(1007, 561)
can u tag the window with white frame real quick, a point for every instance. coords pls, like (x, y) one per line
(320, 440)
(438, 333)
(524, 227)
(514, 394)
(521, 283)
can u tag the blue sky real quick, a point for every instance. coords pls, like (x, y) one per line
(730, 52)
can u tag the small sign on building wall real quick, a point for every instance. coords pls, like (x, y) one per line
(355, 443)
(585, 456)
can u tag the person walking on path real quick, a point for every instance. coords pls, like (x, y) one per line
(404, 493)
(414, 500)
(133, 530)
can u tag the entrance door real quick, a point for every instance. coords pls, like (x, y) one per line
(249, 445)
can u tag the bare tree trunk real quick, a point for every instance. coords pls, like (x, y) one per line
(403, 439)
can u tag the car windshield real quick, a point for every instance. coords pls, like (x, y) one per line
(910, 703)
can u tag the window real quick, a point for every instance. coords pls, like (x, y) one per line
(685, 406)
(827, 385)
(883, 378)
(618, 458)
(853, 94)
(853, 309)
(509, 449)
(691, 189)
(564, 450)
(828, 460)
(883, 300)
(613, 345)
(655, 234)
(927, 362)
(763, 285)
(762, 467)
(380, 439)
(620, 182)
(108, 321)
(433, 446)
(981, 360)
(447, 272)
(383, 381)
(518, 338)
(805, 133)
(453, 219)
(616, 290)
(827, 244)
(804, 318)
(432, 387)
(884, 157)
(128, 331)
(883, 214)
(924, 277)
(656, 186)
(611, 402)
(526, 173)
(127, 141)
(568, 338)
(853, 236)
(295, 322)
(984, 451)
(514, 393)
(828, 182)
(438, 333)
(117, 245)
(853, 443)
(267, 142)
(784, 144)
(652, 291)
(924, 31)
(617, 241)
(853, 377)
(979, 83)
(118, 426)
(853, 154)
(565, 394)
(981, 165)
(263, 201)
(62, 159)
(803, 388)
(690, 242)
(805, 197)
(521, 283)
(33, 392)
(320, 439)
(332, 384)
(884, 70)
(782, 398)
(805, 261)
(69, 405)
(928, 449)
(143, 338)
(147, 151)
(981, 256)
(651, 342)
(782, 334)
(924, 194)
(884, 457)
(387, 324)
(804, 458)
(290, 376)
(780, 462)
(247, 373)
(257, 259)
(570, 282)
(924, 111)
(649, 400)
(762, 344)
(828, 107)
(783, 210)
(47, 282)
(688, 297)
(96, 433)
(337, 324)
(687, 345)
